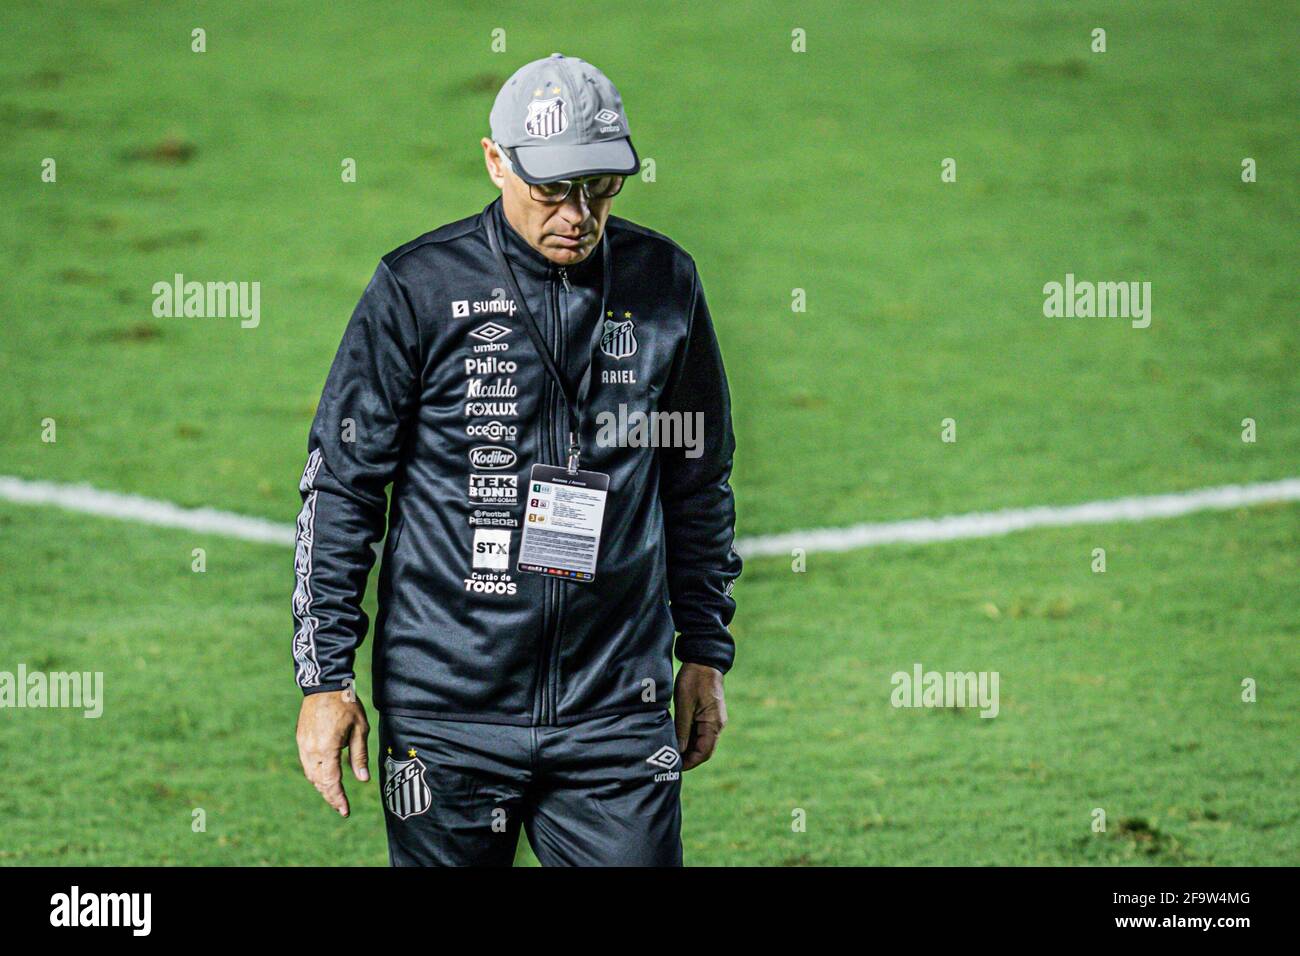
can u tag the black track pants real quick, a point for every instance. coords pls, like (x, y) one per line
(603, 792)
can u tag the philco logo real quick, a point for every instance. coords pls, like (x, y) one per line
(492, 457)
(665, 758)
(489, 366)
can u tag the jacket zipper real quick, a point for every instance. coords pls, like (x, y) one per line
(550, 641)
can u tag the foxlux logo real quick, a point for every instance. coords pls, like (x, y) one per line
(103, 909)
(948, 689)
(463, 308)
(665, 758)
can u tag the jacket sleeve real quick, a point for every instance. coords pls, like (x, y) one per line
(695, 489)
(353, 453)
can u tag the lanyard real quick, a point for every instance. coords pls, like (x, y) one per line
(572, 403)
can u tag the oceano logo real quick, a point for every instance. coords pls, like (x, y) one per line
(492, 431)
(492, 457)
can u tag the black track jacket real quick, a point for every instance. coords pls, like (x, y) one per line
(438, 390)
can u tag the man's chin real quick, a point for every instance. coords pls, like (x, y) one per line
(566, 255)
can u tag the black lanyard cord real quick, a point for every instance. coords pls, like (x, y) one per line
(572, 404)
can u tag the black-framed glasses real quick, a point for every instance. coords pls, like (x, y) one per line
(606, 186)
(593, 187)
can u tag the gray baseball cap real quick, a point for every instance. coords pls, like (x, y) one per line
(561, 118)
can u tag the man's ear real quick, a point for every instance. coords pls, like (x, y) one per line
(496, 172)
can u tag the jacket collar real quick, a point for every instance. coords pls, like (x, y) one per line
(525, 257)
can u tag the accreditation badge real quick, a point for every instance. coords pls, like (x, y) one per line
(562, 522)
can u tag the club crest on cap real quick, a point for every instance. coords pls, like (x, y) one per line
(546, 118)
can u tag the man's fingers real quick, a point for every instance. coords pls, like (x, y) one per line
(333, 793)
(357, 754)
(703, 741)
(322, 769)
(682, 720)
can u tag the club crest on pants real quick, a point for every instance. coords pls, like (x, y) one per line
(618, 340)
(405, 791)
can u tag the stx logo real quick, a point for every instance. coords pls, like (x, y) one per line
(491, 548)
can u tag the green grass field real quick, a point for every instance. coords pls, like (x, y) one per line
(778, 171)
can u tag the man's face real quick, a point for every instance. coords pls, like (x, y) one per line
(565, 233)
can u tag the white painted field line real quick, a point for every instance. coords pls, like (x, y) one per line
(107, 504)
(164, 514)
(989, 524)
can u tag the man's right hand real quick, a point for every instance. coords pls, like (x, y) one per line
(327, 723)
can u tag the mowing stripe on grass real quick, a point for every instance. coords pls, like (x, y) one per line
(108, 504)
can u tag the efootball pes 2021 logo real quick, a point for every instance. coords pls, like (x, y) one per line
(406, 793)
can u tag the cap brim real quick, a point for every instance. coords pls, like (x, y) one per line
(545, 164)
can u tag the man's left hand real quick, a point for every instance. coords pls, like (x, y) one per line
(700, 712)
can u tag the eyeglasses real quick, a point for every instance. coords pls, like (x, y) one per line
(553, 193)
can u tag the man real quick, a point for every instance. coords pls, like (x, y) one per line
(543, 547)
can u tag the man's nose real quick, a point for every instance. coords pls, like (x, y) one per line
(575, 208)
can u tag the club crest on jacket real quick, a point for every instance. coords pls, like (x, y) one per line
(618, 340)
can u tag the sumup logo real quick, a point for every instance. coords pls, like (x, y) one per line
(463, 308)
